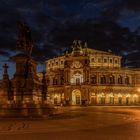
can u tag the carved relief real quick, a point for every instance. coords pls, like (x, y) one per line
(76, 64)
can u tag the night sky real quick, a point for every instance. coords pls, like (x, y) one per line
(54, 24)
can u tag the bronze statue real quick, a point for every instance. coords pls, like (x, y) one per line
(24, 41)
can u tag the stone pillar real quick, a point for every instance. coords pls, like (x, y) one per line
(59, 79)
(98, 79)
(87, 76)
(23, 81)
(65, 76)
(115, 99)
(98, 99)
(84, 76)
(68, 76)
(123, 100)
(107, 99)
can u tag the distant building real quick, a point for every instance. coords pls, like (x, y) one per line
(85, 76)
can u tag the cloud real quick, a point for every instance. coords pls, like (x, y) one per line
(4, 53)
(132, 4)
(102, 35)
(55, 24)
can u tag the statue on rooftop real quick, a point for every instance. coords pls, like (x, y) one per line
(77, 45)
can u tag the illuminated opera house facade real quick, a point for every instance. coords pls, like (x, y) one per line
(85, 76)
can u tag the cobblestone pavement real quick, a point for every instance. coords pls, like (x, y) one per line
(77, 123)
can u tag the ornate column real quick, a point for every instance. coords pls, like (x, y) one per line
(65, 76)
(98, 78)
(68, 76)
(86, 76)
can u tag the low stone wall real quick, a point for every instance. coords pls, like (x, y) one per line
(31, 110)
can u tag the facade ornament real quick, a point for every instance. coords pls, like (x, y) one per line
(85, 45)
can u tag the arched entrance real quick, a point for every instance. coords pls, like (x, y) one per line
(128, 99)
(135, 98)
(76, 97)
(119, 99)
(101, 98)
(111, 98)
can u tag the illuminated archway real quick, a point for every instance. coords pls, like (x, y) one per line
(76, 97)
(101, 98)
(128, 99)
(57, 99)
(77, 78)
(111, 98)
(135, 98)
(119, 99)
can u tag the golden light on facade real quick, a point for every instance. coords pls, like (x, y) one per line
(135, 95)
(138, 89)
(55, 96)
(98, 79)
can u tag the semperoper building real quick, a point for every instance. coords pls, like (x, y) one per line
(85, 76)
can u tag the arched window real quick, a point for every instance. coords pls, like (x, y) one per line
(105, 60)
(56, 63)
(92, 60)
(120, 80)
(62, 80)
(77, 78)
(127, 81)
(120, 100)
(93, 79)
(77, 81)
(110, 60)
(111, 79)
(103, 79)
(55, 81)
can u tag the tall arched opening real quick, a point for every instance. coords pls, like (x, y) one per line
(76, 97)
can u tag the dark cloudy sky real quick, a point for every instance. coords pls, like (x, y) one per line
(104, 24)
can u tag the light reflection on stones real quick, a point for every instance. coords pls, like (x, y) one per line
(78, 123)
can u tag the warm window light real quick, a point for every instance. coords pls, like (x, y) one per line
(136, 95)
(55, 96)
(111, 95)
(128, 95)
(27, 100)
(138, 89)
